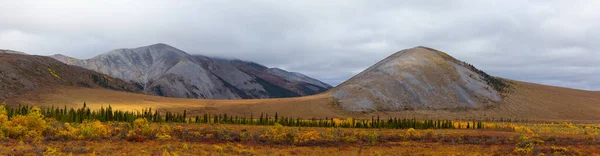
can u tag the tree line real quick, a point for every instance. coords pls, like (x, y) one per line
(107, 114)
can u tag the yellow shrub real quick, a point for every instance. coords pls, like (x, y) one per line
(3, 120)
(429, 132)
(93, 129)
(523, 129)
(412, 132)
(166, 153)
(276, 134)
(30, 126)
(185, 146)
(164, 132)
(51, 151)
(3, 108)
(68, 132)
(143, 126)
(140, 123)
(217, 148)
(527, 144)
(309, 136)
(53, 73)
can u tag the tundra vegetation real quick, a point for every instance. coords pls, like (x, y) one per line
(62, 131)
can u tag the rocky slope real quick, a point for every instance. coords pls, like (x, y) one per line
(163, 70)
(21, 73)
(419, 78)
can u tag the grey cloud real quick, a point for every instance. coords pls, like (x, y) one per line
(549, 42)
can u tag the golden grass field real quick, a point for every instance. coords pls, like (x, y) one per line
(524, 101)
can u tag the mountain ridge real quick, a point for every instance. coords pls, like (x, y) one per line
(163, 70)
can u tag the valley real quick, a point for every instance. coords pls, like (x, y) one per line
(553, 104)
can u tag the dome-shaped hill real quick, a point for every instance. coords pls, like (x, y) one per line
(418, 78)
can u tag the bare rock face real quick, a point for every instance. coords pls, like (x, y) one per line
(417, 78)
(163, 70)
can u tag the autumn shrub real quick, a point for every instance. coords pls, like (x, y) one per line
(349, 137)
(164, 132)
(245, 135)
(428, 134)
(412, 133)
(141, 131)
(274, 134)
(178, 131)
(93, 129)
(142, 125)
(3, 120)
(29, 126)
(308, 136)
(66, 131)
(370, 137)
(332, 135)
(527, 144)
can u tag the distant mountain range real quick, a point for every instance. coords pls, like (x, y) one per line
(164, 70)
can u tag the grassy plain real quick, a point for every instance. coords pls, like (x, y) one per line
(523, 101)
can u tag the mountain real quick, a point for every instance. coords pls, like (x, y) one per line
(21, 74)
(420, 83)
(419, 78)
(5, 51)
(163, 70)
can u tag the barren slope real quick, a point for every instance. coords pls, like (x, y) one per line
(20, 74)
(416, 78)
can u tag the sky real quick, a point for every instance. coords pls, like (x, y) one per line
(548, 42)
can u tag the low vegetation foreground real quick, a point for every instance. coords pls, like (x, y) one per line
(58, 131)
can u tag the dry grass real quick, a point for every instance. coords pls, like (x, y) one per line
(305, 107)
(263, 140)
(524, 101)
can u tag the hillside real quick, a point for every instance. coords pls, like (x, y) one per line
(21, 73)
(164, 70)
(417, 78)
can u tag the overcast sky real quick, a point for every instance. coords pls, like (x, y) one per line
(548, 42)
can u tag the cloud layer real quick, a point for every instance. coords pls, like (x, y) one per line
(548, 42)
